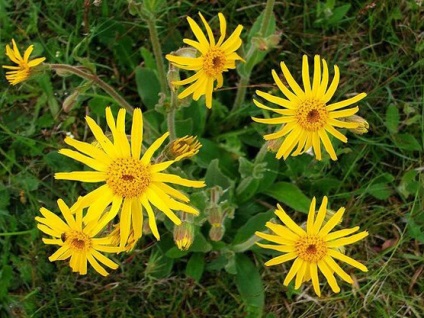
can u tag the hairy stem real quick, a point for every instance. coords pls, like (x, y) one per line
(157, 51)
(244, 81)
(95, 79)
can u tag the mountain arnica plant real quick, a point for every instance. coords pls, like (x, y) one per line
(183, 159)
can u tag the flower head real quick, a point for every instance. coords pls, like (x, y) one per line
(314, 248)
(214, 59)
(184, 235)
(115, 239)
(22, 71)
(305, 114)
(76, 241)
(184, 147)
(131, 181)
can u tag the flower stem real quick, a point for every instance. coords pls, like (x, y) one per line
(244, 80)
(95, 79)
(240, 248)
(157, 51)
(17, 233)
(170, 117)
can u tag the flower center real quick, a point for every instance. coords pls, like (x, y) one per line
(78, 241)
(312, 114)
(311, 248)
(214, 62)
(128, 177)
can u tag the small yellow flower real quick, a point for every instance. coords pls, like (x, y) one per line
(115, 238)
(215, 58)
(131, 181)
(21, 72)
(76, 241)
(314, 248)
(181, 148)
(183, 235)
(305, 114)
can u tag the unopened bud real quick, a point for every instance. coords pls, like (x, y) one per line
(363, 124)
(215, 216)
(184, 235)
(274, 144)
(216, 233)
(172, 76)
(181, 148)
(115, 238)
(70, 101)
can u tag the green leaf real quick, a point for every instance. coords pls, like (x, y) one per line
(380, 191)
(338, 15)
(215, 177)
(5, 280)
(246, 189)
(407, 142)
(195, 266)
(255, 223)
(289, 194)
(149, 59)
(392, 118)
(184, 127)
(148, 86)
(175, 252)
(408, 184)
(46, 85)
(200, 244)
(249, 284)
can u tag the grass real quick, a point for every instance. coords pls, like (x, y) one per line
(378, 177)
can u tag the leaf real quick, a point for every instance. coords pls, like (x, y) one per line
(249, 284)
(195, 266)
(289, 194)
(407, 142)
(215, 177)
(255, 223)
(338, 15)
(408, 184)
(392, 118)
(184, 127)
(149, 59)
(5, 280)
(148, 86)
(380, 191)
(200, 244)
(246, 189)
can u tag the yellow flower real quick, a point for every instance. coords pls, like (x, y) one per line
(215, 58)
(115, 238)
(21, 72)
(313, 249)
(76, 241)
(181, 148)
(129, 182)
(305, 114)
(183, 235)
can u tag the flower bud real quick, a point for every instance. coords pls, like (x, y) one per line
(115, 237)
(70, 101)
(184, 235)
(363, 124)
(181, 148)
(216, 233)
(215, 216)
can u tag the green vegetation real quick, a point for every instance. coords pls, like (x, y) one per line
(379, 48)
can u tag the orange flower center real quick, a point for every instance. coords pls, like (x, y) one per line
(78, 241)
(128, 177)
(214, 62)
(312, 115)
(311, 248)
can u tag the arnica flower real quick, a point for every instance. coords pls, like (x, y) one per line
(314, 248)
(183, 235)
(76, 241)
(181, 148)
(306, 116)
(214, 59)
(22, 71)
(132, 184)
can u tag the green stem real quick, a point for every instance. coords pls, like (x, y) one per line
(244, 81)
(240, 248)
(157, 51)
(17, 233)
(95, 79)
(171, 124)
